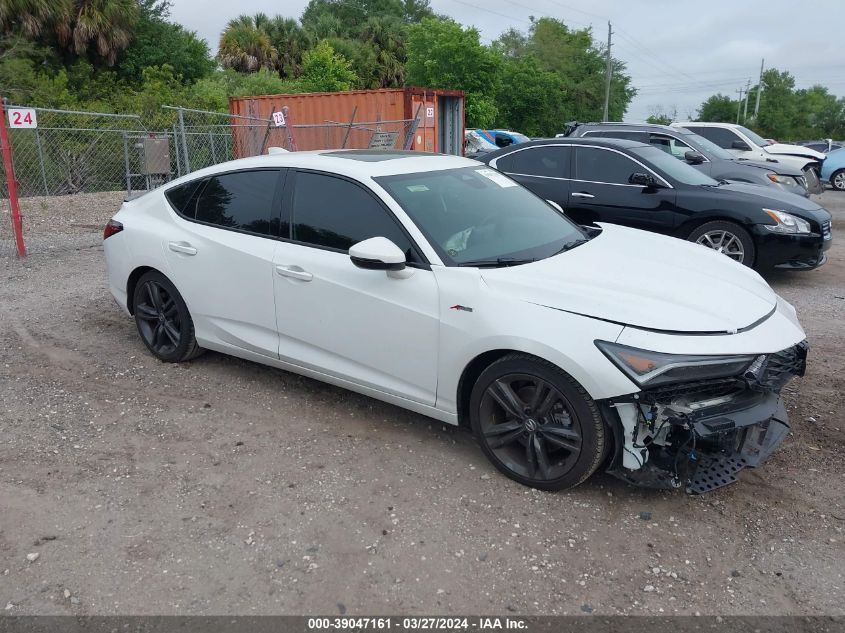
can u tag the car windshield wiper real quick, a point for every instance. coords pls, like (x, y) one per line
(499, 261)
(572, 244)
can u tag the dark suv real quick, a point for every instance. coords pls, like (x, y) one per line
(702, 154)
(638, 185)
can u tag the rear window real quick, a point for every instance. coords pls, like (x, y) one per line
(180, 196)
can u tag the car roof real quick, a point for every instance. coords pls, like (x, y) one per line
(633, 127)
(355, 163)
(703, 124)
(619, 143)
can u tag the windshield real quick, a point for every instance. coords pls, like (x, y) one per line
(708, 147)
(479, 216)
(755, 138)
(672, 167)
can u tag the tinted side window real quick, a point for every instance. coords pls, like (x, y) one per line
(722, 137)
(602, 165)
(335, 213)
(241, 200)
(670, 145)
(537, 161)
(180, 196)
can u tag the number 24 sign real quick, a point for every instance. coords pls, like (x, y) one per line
(22, 117)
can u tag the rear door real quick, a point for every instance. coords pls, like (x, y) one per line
(544, 169)
(220, 251)
(601, 192)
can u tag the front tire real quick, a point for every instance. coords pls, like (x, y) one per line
(727, 238)
(837, 180)
(536, 424)
(163, 320)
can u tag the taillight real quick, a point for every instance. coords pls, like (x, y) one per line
(112, 227)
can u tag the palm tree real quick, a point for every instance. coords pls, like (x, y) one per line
(32, 17)
(105, 24)
(290, 41)
(77, 24)
(245, 45)
(387, 36)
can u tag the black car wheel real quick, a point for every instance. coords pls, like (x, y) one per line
(536, 423)
(727, 238)
(837, 180)
(163, 320)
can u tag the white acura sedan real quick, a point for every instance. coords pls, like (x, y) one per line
(440, 285)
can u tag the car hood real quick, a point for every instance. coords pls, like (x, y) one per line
(769, 198)
(794, 150)
(778, 168)
(642, 279)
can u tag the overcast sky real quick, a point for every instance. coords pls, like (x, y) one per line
(678, 52)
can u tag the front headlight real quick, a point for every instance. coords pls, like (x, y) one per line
(649, 369)
(786, 222)
(786, 181)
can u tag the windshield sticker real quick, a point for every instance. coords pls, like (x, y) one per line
(416, 188)
(496, 177)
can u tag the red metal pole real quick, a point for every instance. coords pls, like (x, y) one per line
(12, 183)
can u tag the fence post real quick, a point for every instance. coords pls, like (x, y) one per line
(213, 150)
(184, 141)
(11, 182)
(289, 128)
(126, 162)
(177, 152)
(349, 129)
(41, 162)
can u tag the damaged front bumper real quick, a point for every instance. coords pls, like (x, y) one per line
(698, 436)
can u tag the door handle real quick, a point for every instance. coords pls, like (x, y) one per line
(294, 272)
(581, 194)
(182, 247)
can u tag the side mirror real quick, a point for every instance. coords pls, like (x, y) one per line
(503, 141)
(645, 180)
(555, 205)
(741, 146)
(378, 253)
(693, 158)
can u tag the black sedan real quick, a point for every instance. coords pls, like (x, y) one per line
(638, 185)
(705, 155)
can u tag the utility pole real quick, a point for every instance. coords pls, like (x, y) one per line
(738, 105)
(759, 89)
(747, 90)
(608, 75)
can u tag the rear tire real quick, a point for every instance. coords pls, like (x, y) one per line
(727, 238)
(163, 320)
(837, 180)
(536, 424)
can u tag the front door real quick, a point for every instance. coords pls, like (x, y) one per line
(358, 325)
(601, 192)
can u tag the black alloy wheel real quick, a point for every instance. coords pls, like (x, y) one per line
(536, 424)
(163, 320)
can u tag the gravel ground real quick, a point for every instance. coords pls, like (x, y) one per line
(128, 486)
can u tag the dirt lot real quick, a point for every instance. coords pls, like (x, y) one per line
(223, 487)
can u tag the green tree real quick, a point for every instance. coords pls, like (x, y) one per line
(778, 106)
(531, 98)
(291, 42)
(323, 70)
(718, 109)
(442, 54)
(245, 45)
(156, 41)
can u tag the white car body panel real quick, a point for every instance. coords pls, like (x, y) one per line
(405, 341)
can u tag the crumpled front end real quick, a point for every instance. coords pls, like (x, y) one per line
(700, 435)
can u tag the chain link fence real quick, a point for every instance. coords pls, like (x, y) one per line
(74, 168)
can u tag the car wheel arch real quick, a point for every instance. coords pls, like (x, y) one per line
(132, 282)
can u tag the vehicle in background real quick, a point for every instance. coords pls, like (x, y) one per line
(477, 141)
(833, 169)
(475, 144)
(744, 143)
(638, 185)
(825, 146)
(439, 285)
(704, 155)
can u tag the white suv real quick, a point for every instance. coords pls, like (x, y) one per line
(744, 143)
